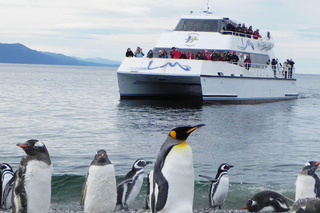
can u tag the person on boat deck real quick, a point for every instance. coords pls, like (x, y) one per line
(201, 56)
(244, 28)
(256, 34)
(176, 54)
(129, 53)
(234, 58)
(160, 53)
(241, 60)
(150, 54)
(239, 29)
(206, 53)
(215, 55)
(190, 55)
(227, 56)
(172, 50)
(183, 55)
(250, 31)
(247, 62)
(286, 67)
(274, 63)
(221, 57)
(138, 52)
(230, 27)
(165, 54)
(291, 67)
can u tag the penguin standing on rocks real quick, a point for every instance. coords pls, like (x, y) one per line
(6, 186)
(99, 193)
(266, 201)
(308, 183)
(172, 179)
(130, 187)
(219, 187)
(32, 181)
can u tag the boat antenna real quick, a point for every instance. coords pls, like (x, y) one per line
(207, 8)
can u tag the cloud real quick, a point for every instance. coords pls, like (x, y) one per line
(105, 29)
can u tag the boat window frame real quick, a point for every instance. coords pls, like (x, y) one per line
(199, 25)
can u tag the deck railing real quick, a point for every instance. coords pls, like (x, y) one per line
(264, 70)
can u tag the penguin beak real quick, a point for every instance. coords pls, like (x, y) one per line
(22, 145)
(317, 163)
(194, 128)
(148, 162)
(245, 207)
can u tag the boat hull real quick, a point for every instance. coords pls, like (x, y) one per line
(227, 89)
(202, 81)
(146, 86)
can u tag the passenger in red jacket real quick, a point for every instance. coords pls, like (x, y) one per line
(177, 53)
(190, 55)
(256, 34)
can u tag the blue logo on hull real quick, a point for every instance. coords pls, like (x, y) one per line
(245, 45)
(184, 67)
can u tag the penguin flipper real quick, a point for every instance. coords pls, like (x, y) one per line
(7, 191)
(84, 192)
(19, 201)
(316, 185)
(126, 181)
(162, 195)
(208, 178)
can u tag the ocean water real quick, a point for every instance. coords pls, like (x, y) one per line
(77, 110)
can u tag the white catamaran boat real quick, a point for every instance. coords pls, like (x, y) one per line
(208, 80)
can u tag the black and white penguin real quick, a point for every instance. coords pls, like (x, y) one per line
(266, 201)
(32, 182)
(6, 186)
(308, 183)
(130, 187)
(172, 179)
(306, 205)
(99, 192)
(219, 187)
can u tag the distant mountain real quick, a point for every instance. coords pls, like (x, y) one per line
(99, 61)
(20, 54)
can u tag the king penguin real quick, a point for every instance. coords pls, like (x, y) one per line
(99, 193)
(308, 183)
(130, 187)
(6, 186)
(172, 178)
(267, 201)
(219, 187)
(32, 182)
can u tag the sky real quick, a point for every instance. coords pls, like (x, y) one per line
(106, 28)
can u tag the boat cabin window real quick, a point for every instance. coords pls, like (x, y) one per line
(199, 25)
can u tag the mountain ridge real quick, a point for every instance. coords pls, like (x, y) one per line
(20, 54)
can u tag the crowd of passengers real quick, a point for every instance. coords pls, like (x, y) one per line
(201, 55)
(242, 30)
(175, 53)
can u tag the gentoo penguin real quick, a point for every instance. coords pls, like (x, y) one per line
(308, 183)
(219, 187)
(100, 191)
(32, 181)
(130, 187)
(267, 201)
(306, 205)
(6, 186)
(172, 179)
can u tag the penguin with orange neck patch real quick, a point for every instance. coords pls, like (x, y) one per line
(172, 179)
